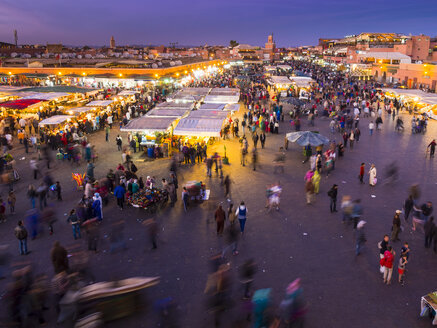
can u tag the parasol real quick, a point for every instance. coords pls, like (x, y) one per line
(305, 138)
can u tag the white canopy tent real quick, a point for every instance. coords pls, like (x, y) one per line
(284, 67)
(279, 80)
(55, 120)
(222, 99)
(78, 110)
(173, 105)
(100, 103)
(127, 93)
(201, 124)
(212, 106)
(149, 124)
(177, 112)
(232, 107)
(47, 96)
(417, 95)
(302, 81)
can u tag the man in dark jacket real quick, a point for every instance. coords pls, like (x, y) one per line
(59, 258)
(430, 229)
(220, 217)
(21, 234)
(332, 193)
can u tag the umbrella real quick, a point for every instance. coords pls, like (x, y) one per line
(305, 138)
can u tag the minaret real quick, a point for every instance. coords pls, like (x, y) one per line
(112, 43)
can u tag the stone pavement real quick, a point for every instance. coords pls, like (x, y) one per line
(297, 241)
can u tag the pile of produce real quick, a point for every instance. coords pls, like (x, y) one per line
(147, 197)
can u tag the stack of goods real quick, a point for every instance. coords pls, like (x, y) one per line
(147, 197)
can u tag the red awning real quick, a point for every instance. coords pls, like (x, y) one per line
(19, 104)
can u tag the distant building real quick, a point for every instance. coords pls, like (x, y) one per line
(55, 48)
(112, 43)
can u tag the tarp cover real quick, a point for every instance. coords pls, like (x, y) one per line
(173, 105)
(100, 103)
(280, 80)
(54, 120)
(212, 106)
(47, 96)
(149, 124)
(78, 110)
(20, 103)
(163, 112)
(216, 99)
(201, 127)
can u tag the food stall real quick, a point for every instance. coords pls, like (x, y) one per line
(223, 96)
(428, 306)
(154, 132)
(200, 126)
(189, 95)
(280, 83)
(55, 120)
(100, 103)
(423, 102)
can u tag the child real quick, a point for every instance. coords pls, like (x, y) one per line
(361, 176)
(11, 201)
(401, 268)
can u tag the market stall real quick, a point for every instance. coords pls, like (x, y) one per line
(201, 124)
(189, 95)
(422, 102)
(173, 105)
(223, 96)
(428, 306)
(100, 103)
(280, 82)
(154, 133)
(77, 111)
(55, 120)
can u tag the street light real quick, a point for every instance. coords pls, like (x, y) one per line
(59, 73)
(120, 75)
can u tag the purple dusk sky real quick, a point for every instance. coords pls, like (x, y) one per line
(195, 22)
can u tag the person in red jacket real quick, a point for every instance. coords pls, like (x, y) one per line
(361, 176)
(387, 262)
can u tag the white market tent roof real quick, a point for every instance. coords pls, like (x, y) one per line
(100, 103)
(195, 91)
(427, 98)
(47, 96)
(231, 99)
(178, 112)
(54, 120)
(302, 81)
(280, 80)
(284, 67)
(270, 68)
(224, 92)
(232, 107)
(149, 124)
(212, 106)
(127, 93)
(174, 105)
(78, 110)
(201, 124)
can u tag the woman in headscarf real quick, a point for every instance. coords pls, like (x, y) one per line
(372, 175)
(97, 207)
(316, 181)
